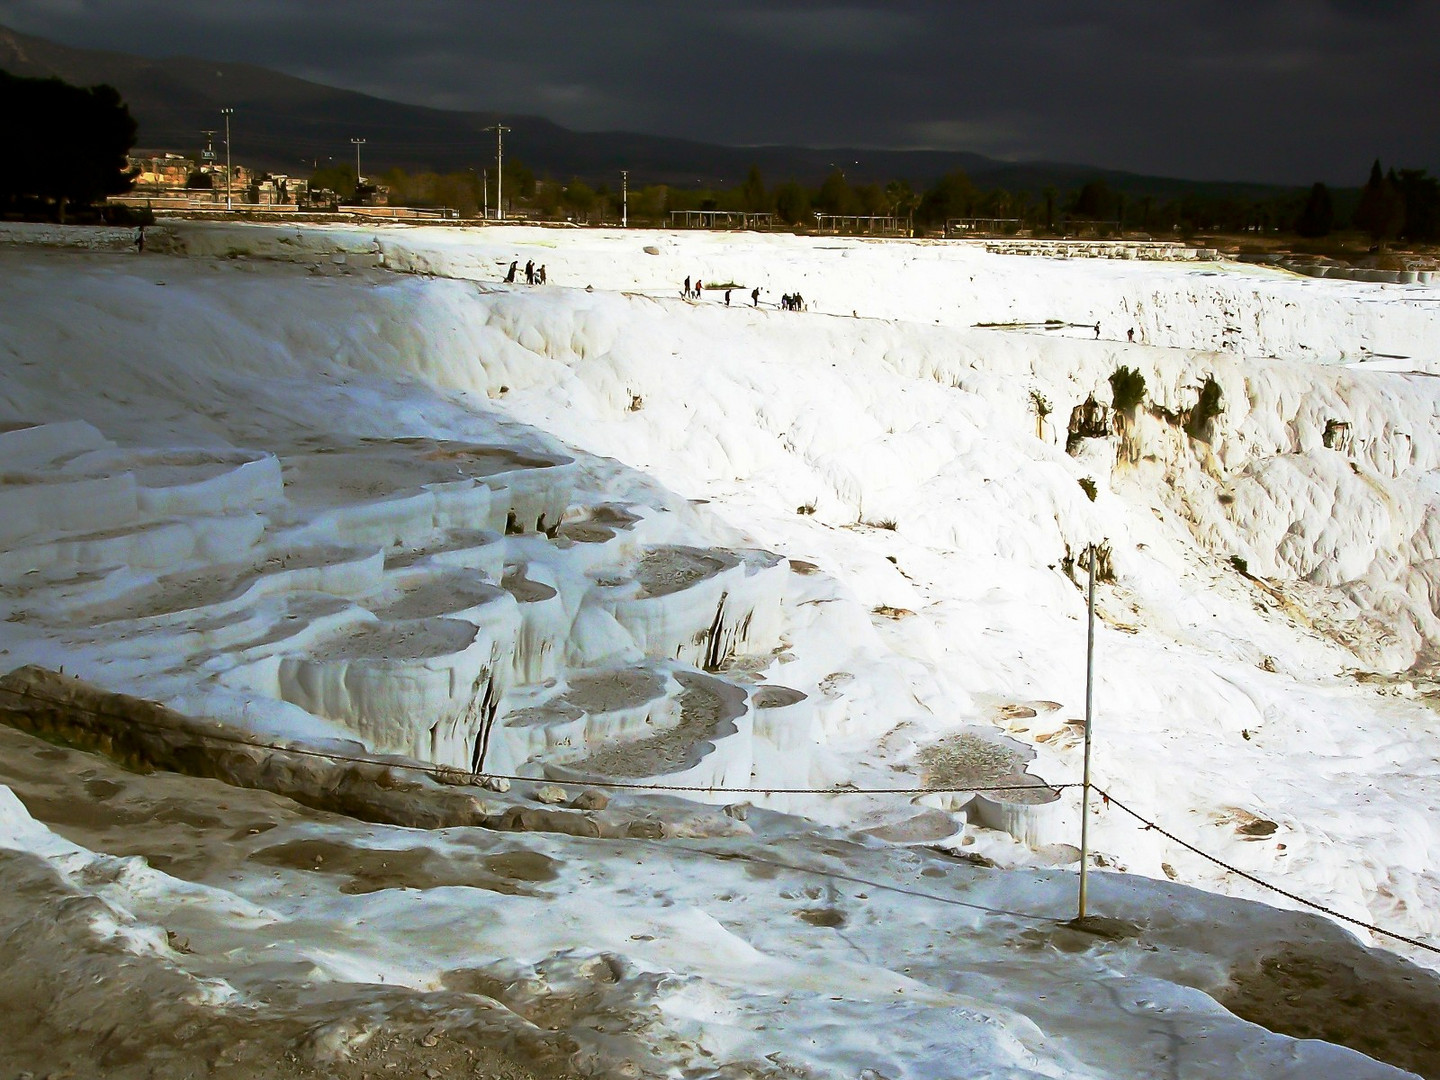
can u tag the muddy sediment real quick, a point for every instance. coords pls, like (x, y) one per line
(1368, 1000)
(75, 1004)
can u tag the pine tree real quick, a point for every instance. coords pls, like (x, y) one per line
(1318, 217)
(792, 203)
(1421, 195)
(752, 194)
(1381, 211)
(835, 195)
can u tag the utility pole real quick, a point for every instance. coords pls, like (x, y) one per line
(227, 113)
(499, 130)
(358, 143)
(1089, 698)
(485, 194)
(624, 198)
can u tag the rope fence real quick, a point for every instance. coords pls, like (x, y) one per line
(432, 770)
(636, 785)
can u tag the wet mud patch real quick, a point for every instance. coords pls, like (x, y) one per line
(705, 704)
(563, 991)
(965, 760)
(607, 691)
(775, 696)
(443, 593)
(374, 869)
(760, 871)
(665, 570)
(830, 917)
(166, 819)
(1077, 936)
(585, 532)
(341, 471)
(523, 588)
(78, 1006)
(1369, 1001)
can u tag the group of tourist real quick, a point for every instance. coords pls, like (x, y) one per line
(788, 302)
(534, 275)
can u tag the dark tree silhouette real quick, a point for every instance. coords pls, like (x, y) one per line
(792, 203)
(836, 196)
(752, 194)
(1420, 193)
(952, 196)
(1381, 211)
(1096, 201)
(1318, 217)
(65, 146)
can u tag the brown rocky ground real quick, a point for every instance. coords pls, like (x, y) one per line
(75, 1005)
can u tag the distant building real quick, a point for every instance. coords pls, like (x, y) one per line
(167, 179)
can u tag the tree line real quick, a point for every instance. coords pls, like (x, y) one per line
(1395, 205)
(66, 149)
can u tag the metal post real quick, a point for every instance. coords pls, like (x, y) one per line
(484, 194)
(358, 143)
(499, 130)
(1089, 699)
(227, 114)
(624, 198)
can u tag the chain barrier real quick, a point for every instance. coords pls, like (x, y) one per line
(1152, 826)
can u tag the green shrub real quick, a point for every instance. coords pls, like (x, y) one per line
(1206, 408)
(1127, 389)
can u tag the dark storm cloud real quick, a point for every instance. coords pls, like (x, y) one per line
(1286, 90)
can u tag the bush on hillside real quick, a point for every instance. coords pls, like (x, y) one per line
(1127, 390)
(1206, 408)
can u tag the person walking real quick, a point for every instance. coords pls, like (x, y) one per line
(1131, 335)
(140, 241)
(1097, 331)
(510, 274)
(698, 286)
(540, 275)
(686, 294)
(755, 296)
(530, 272)
(727, 297)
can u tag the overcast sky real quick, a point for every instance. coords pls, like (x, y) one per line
(1279, 90)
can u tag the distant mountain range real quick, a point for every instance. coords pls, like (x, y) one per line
(288, 125)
